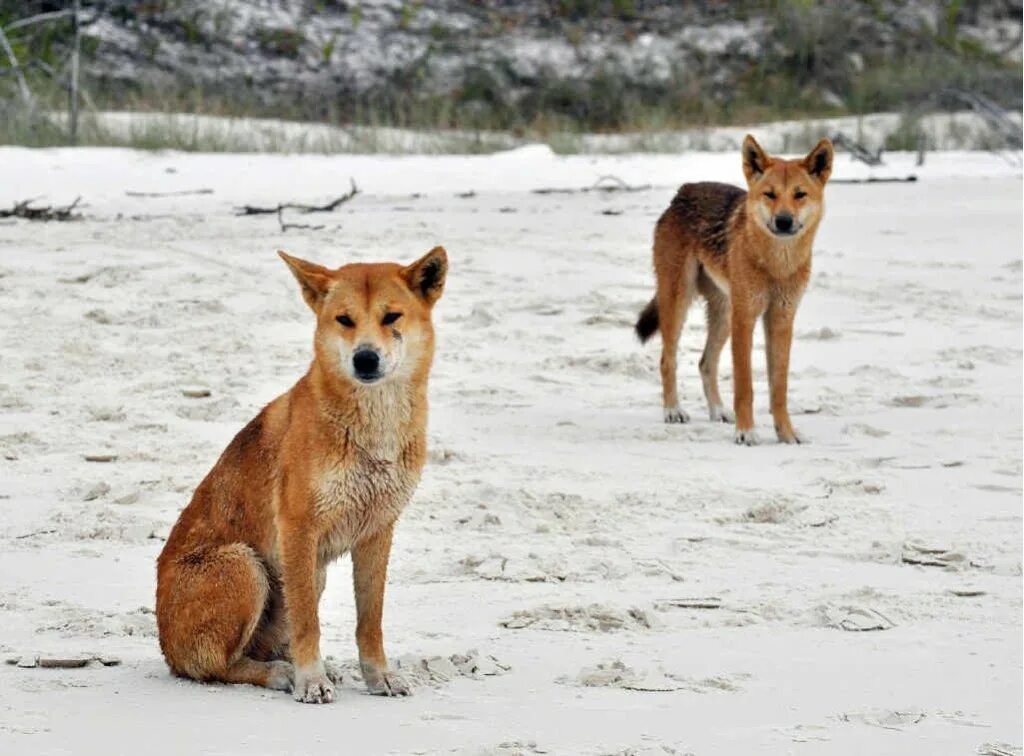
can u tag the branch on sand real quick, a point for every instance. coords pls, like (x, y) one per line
(25, 210)
(182, 193)
(302, 208)
(603, 184)
(857, 150)
(876, 180)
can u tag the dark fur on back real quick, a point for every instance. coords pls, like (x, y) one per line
(706, 208)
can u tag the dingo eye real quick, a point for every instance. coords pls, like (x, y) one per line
(799, 194)
(770, 195)
(390, 318)
(345, 320)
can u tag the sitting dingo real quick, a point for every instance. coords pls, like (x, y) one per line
(325, 468)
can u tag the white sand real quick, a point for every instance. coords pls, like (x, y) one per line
(942, 131)
(554, 490)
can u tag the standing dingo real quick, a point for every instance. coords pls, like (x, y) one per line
(749, 254)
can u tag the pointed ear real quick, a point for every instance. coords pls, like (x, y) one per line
(819, 161)
(314, 279)
(426, 276)
(755, 160)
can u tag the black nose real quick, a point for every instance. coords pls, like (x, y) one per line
(784, 222)
(366, 362)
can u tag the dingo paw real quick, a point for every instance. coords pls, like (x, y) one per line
(720, 414)
(385, 683)
(676, 415)
(747, 437)
(313, 686)
(791, 437)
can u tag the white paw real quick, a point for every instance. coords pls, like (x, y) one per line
(282, 676)
(747, 437)
(312, 685)
(793, 437)
(720, 414)
(676, 415)
(385, 683)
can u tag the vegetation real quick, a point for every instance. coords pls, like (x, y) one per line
(285, 43)
(814, 65)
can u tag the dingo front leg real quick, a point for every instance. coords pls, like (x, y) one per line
(299, 578)
(778, 328)
(369, 573)
(743, 319)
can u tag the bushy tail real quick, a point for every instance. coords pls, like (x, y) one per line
(647, 323)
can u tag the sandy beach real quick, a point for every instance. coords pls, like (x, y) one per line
(573, 576)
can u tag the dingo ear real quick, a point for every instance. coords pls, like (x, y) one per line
(426, 276)
(819, 161)
(314, 279)
(755, 160)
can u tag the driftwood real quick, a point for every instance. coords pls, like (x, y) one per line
(302, 208)
(603, 184)
(25, 210)
(857, 150)
(68, 662)
(992, 113)
(34, 533)
(694, 602)
(182, 193)
(876, 180)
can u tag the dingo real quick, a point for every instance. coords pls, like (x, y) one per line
(749, 254)
(325, 468)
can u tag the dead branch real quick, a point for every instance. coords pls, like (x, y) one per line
(38, 18)
(616, 185)
(333, 205)
(876, 180)
(26, 93)
(603, 184)
(298, 226)
(182, 193)
(305, 209)
(34, 533)
(857, 150)
(25, 210)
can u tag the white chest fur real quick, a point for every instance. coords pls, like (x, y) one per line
(369, 489)
(359, 500)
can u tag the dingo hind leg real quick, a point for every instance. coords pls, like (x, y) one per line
(718, 314)
(209, 604)
(677, 282)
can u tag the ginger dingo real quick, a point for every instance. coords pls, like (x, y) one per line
(325, 468)
(748, 253)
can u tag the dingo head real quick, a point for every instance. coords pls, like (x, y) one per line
(373, 320)
(786, 196)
